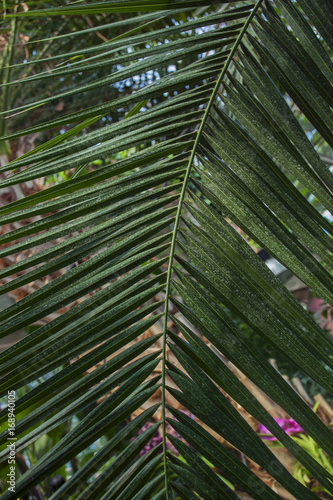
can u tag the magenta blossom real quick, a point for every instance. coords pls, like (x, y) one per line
(288, 425)
(157, 438)
(154, 441)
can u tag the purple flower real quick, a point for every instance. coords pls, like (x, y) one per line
(288, 425)
(157, 438)
(152, 443)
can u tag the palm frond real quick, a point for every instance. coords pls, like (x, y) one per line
(218, 155)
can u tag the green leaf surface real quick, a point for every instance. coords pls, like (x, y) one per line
(179, 139)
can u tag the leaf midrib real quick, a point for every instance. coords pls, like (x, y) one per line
(177, 221)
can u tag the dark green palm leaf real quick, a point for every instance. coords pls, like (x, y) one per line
(218, 144)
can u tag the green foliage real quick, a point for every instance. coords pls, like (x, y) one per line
(210, 142)
(300, 472)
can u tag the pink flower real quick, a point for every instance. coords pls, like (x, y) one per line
(157, 438)
(288, 425)
(154, 441)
